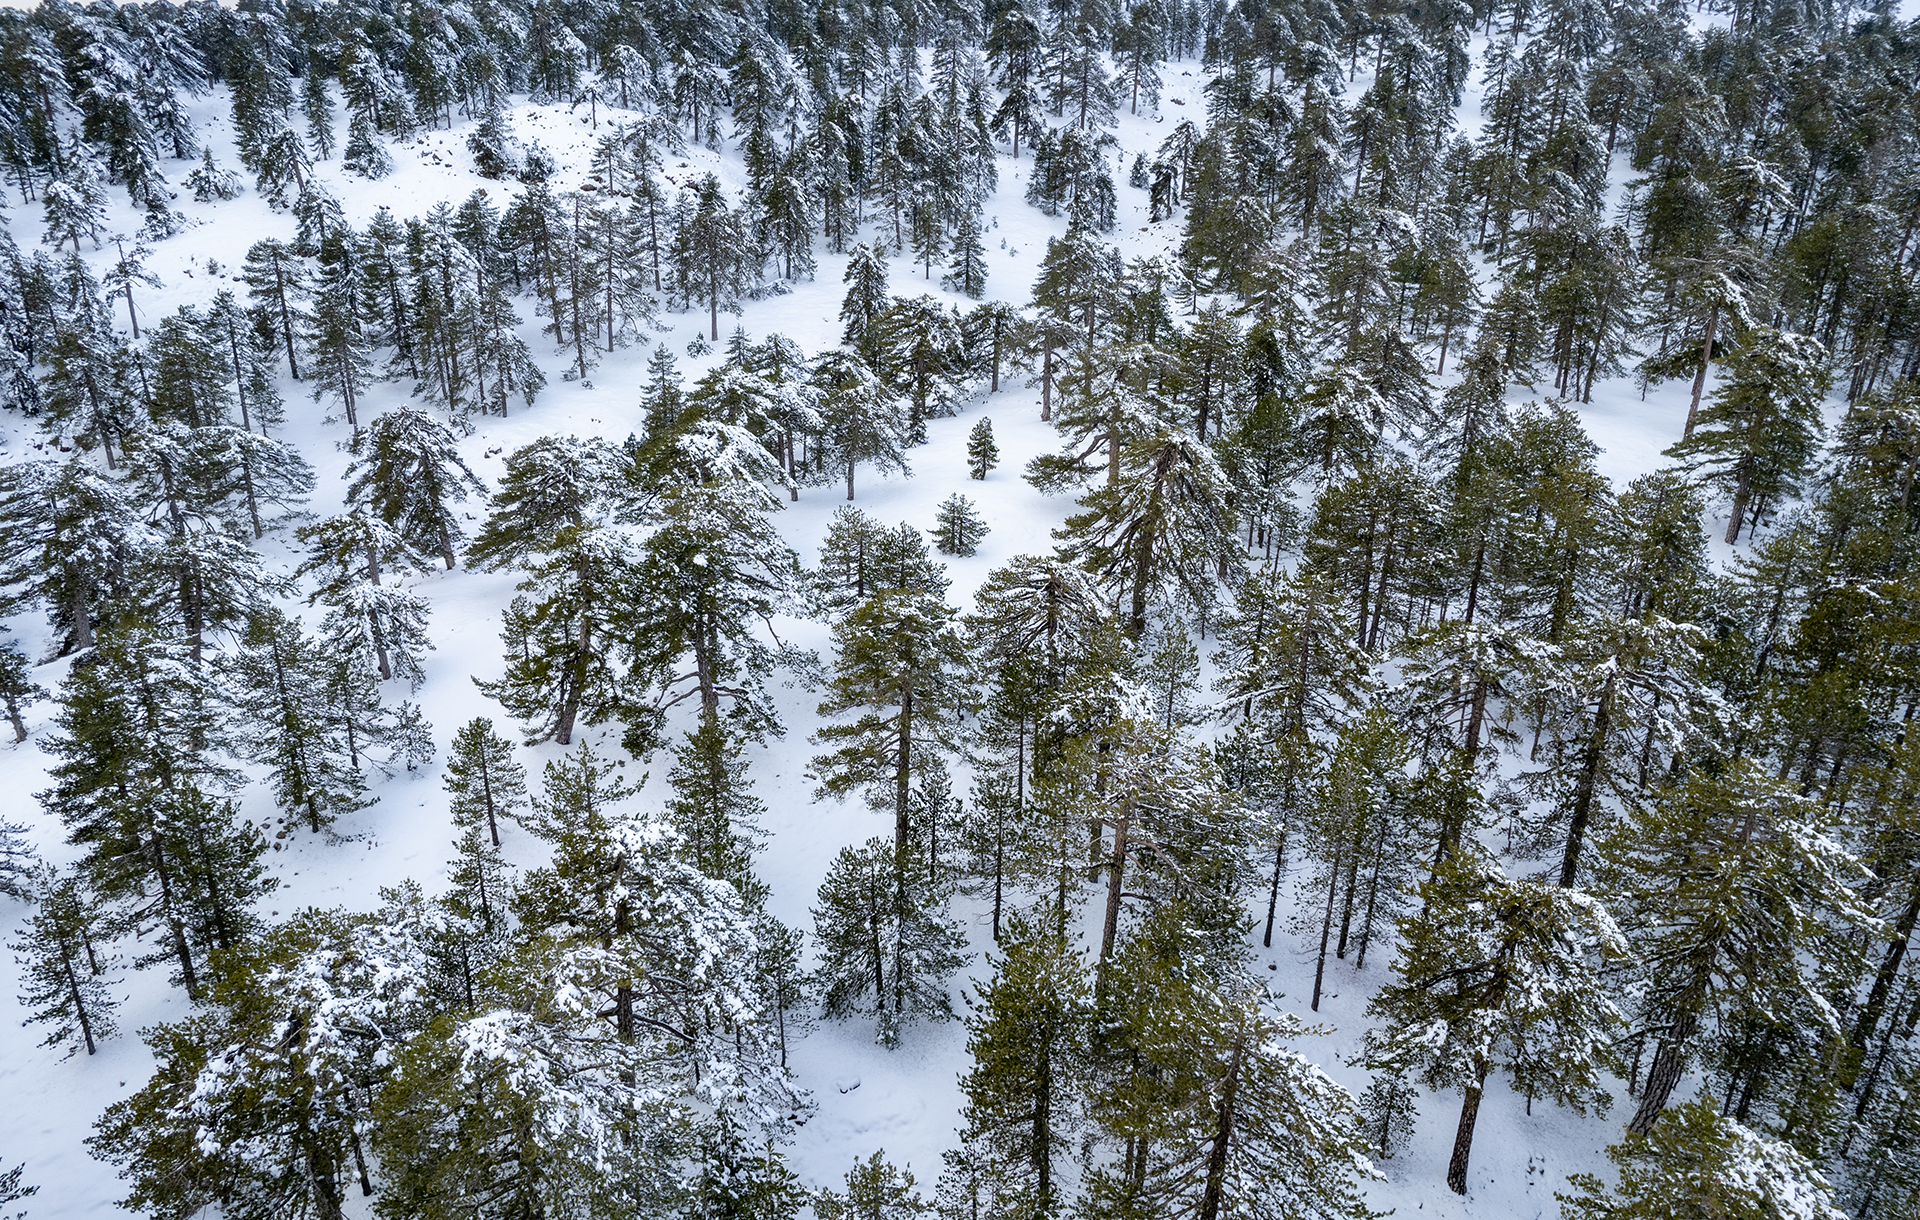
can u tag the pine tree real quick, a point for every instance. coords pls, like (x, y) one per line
(1761, 428)
(18, 690)
(549, 519)
(885, 942)
(966, 258)
(409, 473)
(1030, 1041)
(1362, 839)
(359, 561)
(484, 784)
(860, 418)
(982, 454)
(211, 182)
(712, 572)
(279, 679)
(18, 860)
(1204, 1094)
(665, 953)
(1158, 534)
(300, 1030)
(276, 280)
(1500, 973)
(409, 738)
(899, 663)
(336, 333)
(136, 721)
(714, 807)
(74, 539)
(12, 1192)
(876, 1190)
(957, 528)
(1730, 888)
(736, 1183)
(1696, 1161)
(63, 970)
(866, 299)
(716, 260)
(469, 930)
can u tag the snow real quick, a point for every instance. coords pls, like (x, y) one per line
(906, 1100)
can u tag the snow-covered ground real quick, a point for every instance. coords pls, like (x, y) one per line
(906, 1100)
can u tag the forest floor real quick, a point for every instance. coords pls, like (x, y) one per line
(906, 1100)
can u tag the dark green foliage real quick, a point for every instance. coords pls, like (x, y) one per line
(886, 944)
(64, 962)
(982, 454)
(485, 786)
(957, 528)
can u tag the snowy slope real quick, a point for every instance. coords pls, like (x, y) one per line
(906, 1100)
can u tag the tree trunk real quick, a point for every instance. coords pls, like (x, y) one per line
(1700, 378)
(1463, 1135)
(1212, 1196)
(1326, 930)
(1663, 1073)
(1584, 787)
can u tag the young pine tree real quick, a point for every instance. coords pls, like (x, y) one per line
(280, 685)
(957, 528)
(61, 967)
(485, 786)
(876, 1190)
(982, 454)
(886, 945)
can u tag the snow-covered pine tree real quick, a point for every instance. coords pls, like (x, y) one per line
(485, 786)
(664, 952)
(866, 298)
(982, 453)
(409, 473)
(276, 279)
(74, 540)
(876, 1189)
(899, 663)
(260, 1100)
(861, 420)
(63, 966)
(1736, 899)
(550, 519)
(716, 260)
(409, 738)
(966, 258)
(1030, 1040)
(1695, 1159)
(1161, 532)
(1496, 973)
(1206, 1096)
(1760, 431)
(338, 346)
(714, 808)
(734, 1180)
(1363, 838)
(359, 561)
(709, 581)
(133, 735)
(885, 942)
(279, 687)
(18, 690)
